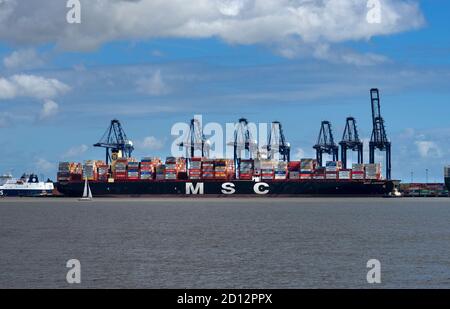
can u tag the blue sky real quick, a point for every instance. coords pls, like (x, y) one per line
(61, 84)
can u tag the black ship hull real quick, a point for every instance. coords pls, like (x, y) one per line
(231, 188)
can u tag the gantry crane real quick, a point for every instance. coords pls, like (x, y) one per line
(325, 143)
(243, 141)
(115, 141)
(196, 140)
(379, 138)
(351, 141)
(276, 143)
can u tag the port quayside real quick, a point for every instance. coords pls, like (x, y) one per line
(248, 173)
(447, 177)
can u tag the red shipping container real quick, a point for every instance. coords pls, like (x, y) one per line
(294, 166)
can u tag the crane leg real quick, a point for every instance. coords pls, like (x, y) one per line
(388, 161)
(344, 156)
(371, 153)
(360, 154)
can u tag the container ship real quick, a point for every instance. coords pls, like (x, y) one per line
(202, 176)
(250, 172)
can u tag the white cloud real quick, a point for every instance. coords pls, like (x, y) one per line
(231, 7)
(331, 53)
(150, 143)
(49, 109)
(428, 149)
(76, 151)
(153, 85)
(301, 153)
(23, 85)
(23, 59)
(326, 52)
(43, 165)
(309, 22)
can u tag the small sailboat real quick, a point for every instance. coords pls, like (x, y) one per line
(87, 194)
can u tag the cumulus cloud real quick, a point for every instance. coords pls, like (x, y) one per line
(428, 149)
(76, 151)
(49, 109)
(231, 7)
(325, 51)
(23, 59)
(43, 165)
(38, 87)
(150, 143)
(301, 153)
(153, 85)
(235, 21)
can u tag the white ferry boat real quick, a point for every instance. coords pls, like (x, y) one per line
(27, 185)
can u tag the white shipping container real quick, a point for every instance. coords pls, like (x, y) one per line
(358, 167)
(376, 167)
(333, 166)
(344, 175)
(331, 175)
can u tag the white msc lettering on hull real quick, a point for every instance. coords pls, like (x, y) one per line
(261, 188)
(198, 189)
(228, 188)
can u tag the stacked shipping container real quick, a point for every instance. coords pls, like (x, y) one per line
(69, 171)
(294, 169)
(281, 170)
(332, 169)
(307, 167)
(208, 169)
(267, 169)
(358, 171)
(195, 168)
(147, 169)
(133, 170)
(103, 172)
(160, 171)
(373, 171)
(90, 169)
(319, 173)
(246, 169)
(119, 168)
(223, 169)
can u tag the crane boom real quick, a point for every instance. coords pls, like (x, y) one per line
(196, 140)
(276, 143)
(325, 143)
(115, 140)
(379, 138)
(351, 141)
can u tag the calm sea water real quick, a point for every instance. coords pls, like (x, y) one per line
(224, 243)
